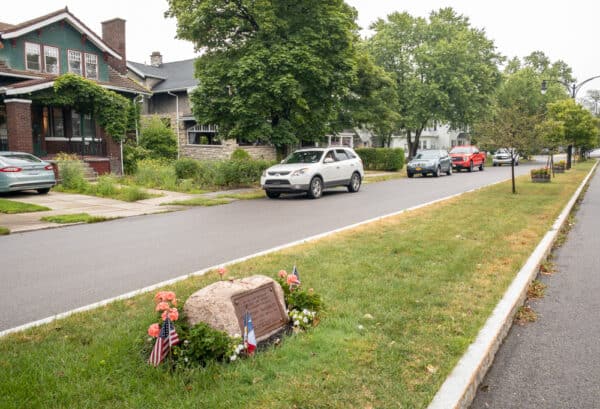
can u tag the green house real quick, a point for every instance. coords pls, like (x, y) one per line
(32, 55)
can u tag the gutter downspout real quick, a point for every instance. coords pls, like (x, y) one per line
(177, 120)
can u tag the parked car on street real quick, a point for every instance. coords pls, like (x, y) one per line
(503, 157)
(467, 157)
(313, 170)
(432, 161)
(595, 153)
(23, 171)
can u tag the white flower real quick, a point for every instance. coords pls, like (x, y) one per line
(186, 342)
(233, 357)
(296, 323)
(186, 359)
(236, 335)
(360, 327)
(305, 311)
(305, 320)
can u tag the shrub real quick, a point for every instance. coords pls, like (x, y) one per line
(158, 138)
(541, 172)
(105, 186)
(71, 173)
(157, 174)
(240, 173)
(203, 344)
(132, 154)
(186, 168)
(240, 154)
(133, 194)
(386, 159)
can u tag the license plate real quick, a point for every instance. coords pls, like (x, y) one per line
(417, 168)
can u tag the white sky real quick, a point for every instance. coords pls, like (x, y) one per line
(566, 30)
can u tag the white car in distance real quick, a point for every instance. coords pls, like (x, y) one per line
(313, 170)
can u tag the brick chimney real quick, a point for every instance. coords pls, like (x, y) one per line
(113, 34)
(156, 59)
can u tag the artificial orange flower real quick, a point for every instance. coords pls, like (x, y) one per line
(162, 306)
(153, 330)
(282, 273)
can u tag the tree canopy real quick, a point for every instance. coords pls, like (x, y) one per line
(274, 71)
(445, 70)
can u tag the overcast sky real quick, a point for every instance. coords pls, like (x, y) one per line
(566, 30)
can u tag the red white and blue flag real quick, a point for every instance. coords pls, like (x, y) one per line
(166, 339)
(295, 272)
(249, 336)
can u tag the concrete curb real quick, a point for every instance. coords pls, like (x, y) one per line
(460, 388)
(231, 262)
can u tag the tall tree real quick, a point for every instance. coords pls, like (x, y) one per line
(580, 126)
(271, 70)
(445, 70)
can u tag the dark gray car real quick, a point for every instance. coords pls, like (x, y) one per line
(434, 161)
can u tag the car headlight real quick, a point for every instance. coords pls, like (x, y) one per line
(299, 172)
(264, 174)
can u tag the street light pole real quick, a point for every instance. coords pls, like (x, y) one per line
(573, 90)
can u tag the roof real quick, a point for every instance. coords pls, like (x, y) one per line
(8, 31)
(176, 76)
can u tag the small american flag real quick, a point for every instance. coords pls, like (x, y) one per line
(166, 339)
(295, 272)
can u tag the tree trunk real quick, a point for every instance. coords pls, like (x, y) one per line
(410, 144)
(569, 154)
(512, 173)
(415, 146)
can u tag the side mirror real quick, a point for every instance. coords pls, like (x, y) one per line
(328, 160)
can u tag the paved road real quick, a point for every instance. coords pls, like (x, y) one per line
(52, 271)
(555, 361)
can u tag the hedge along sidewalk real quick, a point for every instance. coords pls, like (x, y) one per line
(429, 284)
(460, 388)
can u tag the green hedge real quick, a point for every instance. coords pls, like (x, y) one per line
(388, 159)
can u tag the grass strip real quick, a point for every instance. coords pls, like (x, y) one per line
(253, 194)
(12, 207)
(4, 231)
(199, 201)
(75, 218)
(429, 279)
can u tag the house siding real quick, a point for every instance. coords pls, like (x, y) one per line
(61, 35)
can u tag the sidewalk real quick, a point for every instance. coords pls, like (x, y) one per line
(555, 361)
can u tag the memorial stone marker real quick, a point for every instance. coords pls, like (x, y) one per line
(222, 305)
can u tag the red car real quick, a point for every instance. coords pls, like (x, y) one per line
(467, 157)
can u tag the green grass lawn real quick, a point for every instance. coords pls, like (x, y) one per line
(75, 218)
(200, 201)
(429, 278)
(4, 231)
(11, 207)
(253, 194)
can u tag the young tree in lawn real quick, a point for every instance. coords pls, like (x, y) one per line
(274, 71)
(445, 70)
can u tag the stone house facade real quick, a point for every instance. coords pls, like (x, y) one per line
(171, 84)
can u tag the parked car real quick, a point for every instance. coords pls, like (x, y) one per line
(430, 162)
(595, 153)
(467, 157)
(313, 170)
(23, 171)
(503, 157)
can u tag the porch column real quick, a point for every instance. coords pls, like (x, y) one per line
(18, 124)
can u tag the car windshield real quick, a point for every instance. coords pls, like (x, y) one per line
(461, 150)
(428, 155)
(304, 157)
(19, 158)
(503, 151)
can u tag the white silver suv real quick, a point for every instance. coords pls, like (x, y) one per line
(312, 170)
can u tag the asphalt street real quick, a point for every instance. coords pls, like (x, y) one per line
(555, 361)
(48, 272)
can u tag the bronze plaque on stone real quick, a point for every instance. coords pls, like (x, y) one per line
(266, 312)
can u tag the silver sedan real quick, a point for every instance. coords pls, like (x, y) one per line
(23, 171)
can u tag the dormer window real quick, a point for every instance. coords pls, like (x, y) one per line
(32, 57)
(75, 62)
(51, 64)
(91, 66)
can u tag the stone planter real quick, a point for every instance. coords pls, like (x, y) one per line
(558, 169)
(540, 178)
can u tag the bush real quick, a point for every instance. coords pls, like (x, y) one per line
(132, 154)
(240, 154)
(203, 344)
(240, 173)
(186, 168)
(105, 187)
(71, 173)
(541, 172)
(158, 138)
(386, 159)
(156, 174)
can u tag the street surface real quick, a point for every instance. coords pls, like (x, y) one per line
(47, 272)
(555, 361)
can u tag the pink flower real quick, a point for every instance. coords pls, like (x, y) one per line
(169, 295)
(221, 271)
(162, 306)
(160, 296)
(172, 313)
(153, 330)
(292, 280)
(282, 273)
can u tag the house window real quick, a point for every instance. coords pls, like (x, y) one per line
(32, 57)
(74, 62)
(51, 64)
(91, 66)
(203, 135)
(83, 123)
(57, 126)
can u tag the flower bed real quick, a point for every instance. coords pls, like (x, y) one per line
(541, 175)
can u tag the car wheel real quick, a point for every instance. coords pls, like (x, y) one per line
(354, 183)
(449, 171)
(494, 164)
(481, 166)
(437, 172)
(272, 195)
(315, 189)
(43, 191)
(471, 167)
(410, 175)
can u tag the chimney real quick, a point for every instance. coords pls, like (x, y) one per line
(156, 59)
(113, 34)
